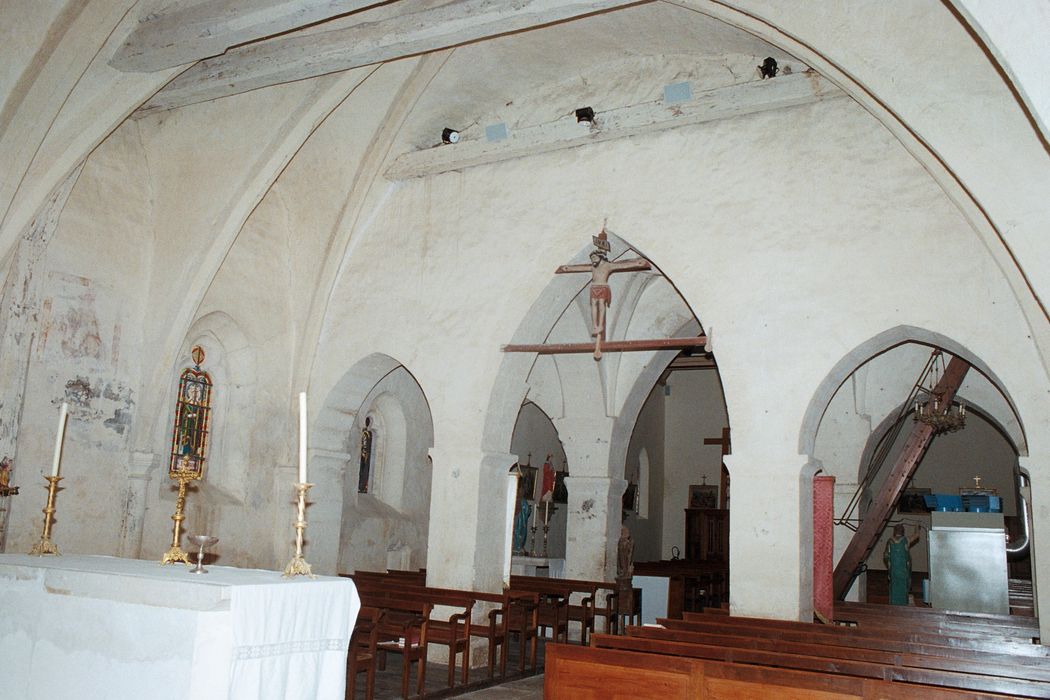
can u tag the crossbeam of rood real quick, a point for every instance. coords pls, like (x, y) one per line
(611, 346)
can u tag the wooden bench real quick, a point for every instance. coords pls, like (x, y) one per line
(361, 656)
(582, 611)
(989, 664)
(590, 673)
(453, 631)
(840, 660)
(903, 639)
(502, 608)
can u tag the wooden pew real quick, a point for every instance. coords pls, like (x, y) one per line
(903, 639)
(361, 656)
(838, 660)
(503, 608)
(583, 611)
(453, 632)
(973, 662)
(589, 673)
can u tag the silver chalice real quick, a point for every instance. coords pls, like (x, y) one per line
(202, 541)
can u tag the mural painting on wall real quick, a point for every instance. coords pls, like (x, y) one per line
(189, 442)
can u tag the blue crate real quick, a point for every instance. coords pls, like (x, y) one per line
(944, 502)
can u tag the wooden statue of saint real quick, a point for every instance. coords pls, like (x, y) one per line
(366, 456)
(601, 294)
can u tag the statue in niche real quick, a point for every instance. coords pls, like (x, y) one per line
(521, 526)
(624, 555)
(366, 456)
(601, 294)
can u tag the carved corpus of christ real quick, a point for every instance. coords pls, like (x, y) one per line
(601, 295)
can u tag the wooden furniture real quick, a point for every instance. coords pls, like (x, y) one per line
(361, 656)
(905, 654)
(403, 630)
(592, 673)
(499, 609)
(706, 534)
(578, 598)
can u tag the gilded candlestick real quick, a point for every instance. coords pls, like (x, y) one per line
(175, 553)
(298, 566)
(45, 545)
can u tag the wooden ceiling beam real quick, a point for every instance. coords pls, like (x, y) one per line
(190, 31)
(611, 346)
(298, 56)
(867, 535)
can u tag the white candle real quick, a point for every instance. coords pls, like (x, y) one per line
(302, 437)
(59, 438)
(546, 512)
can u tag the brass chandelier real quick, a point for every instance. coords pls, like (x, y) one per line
(930, 407)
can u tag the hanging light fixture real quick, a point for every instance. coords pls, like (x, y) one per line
(930, 406)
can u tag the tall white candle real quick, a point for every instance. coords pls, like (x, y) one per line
(302, 437)
(59, 438)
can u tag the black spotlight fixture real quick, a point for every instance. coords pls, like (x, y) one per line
(769, 68)
(585, 115)
(449, 135)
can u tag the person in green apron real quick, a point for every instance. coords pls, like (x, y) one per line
(897, 558)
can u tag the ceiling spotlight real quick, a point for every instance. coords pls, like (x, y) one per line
(585, 115)
(449, 135)
(769, 68)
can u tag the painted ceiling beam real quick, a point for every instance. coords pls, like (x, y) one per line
(306, 55)
(881, 508)
(718, 103)
(190, 31)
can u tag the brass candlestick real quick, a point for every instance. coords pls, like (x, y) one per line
(532, 550)
(175, 553)
(45, 545)
(298, 566)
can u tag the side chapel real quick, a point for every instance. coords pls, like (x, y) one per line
(545, 270)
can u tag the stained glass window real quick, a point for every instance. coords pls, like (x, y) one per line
(189, 442)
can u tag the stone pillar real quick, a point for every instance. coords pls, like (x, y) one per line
(468, 519)
(324, 509)
(1038, 469)
(141, 466)
(593, 526)
(769, 574)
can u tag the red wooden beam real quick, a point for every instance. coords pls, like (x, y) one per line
(611, 346)
(882, 506)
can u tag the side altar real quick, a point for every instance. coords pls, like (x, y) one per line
(104, 627)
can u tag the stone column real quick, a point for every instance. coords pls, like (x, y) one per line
(141, 466)
(324, 509)
(468, 519)
(770, 574)
(1036, 465)
(593, 526)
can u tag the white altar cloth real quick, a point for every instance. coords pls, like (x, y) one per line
(104, 627)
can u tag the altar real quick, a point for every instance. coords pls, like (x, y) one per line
(104, 627)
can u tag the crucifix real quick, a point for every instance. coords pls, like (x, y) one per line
(723, 491)
(601, 294)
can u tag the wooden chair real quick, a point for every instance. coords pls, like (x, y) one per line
(361, 656)
(404, 631)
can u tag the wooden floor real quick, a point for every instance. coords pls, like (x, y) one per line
(515, 686)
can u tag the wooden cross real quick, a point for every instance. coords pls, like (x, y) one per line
(727, 446)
